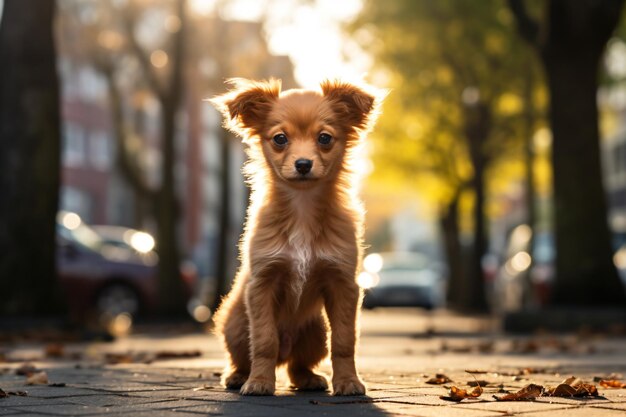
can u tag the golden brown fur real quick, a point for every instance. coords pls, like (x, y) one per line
(302, 244)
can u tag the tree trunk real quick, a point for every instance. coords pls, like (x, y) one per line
(586, 274)
(29, 158)
(222, 273)
(449, 222)
(477, 126)
(171, 291)
(529, 179)
(475, 297)
(571, 45)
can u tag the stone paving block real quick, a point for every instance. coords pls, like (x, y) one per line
(579, 402)
(43, 391)
(340, 410)
(446, 411)
(512, 407)
(610, 406)
(418, 400)
(18, 401)
(245, 410)
(58, 410)
(579, 412)
(107, 400)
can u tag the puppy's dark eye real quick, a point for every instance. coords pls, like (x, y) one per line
(324, 139)
(280, 139)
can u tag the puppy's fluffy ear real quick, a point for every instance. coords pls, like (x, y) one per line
(353, 104)
(246, 106)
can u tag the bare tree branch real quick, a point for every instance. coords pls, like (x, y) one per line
(129, 169)
(129, 20)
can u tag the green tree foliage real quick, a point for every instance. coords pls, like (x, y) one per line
(455, 111)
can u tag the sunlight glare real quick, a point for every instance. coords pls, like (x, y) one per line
(373, 263)
(367, 280)
(71, 220)
(159, 58)
(202, 7)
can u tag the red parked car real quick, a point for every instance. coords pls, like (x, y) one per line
(107, 278)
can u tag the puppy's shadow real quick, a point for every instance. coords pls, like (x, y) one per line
(289, 402)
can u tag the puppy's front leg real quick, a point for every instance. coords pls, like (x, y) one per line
(341, 303)
(263, 338)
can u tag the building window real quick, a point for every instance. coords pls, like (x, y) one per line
(100, 150)
(73, 145)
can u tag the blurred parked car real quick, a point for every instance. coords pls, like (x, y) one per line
(103, 276)
(401, 280)
(125, 237)
(525, 279)
(525, 276)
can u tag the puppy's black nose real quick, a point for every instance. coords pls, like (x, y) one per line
(303, 166)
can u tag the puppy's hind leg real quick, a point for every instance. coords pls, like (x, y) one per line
(309, 349)
(234, 330)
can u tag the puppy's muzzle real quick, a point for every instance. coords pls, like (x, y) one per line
(303, 166)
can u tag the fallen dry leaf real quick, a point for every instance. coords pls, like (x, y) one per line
(55, 350)
(478, 382)
(612, 383)
(529, 392)
(39, 378)
(18, 393)
(168, 354)
(27, 369)
(115, 358)
(476, 371)
(572, 387)
(3, 394)
(57, 384)
(458, 394)
(439, 379)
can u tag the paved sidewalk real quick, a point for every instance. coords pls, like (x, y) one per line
(400, 350)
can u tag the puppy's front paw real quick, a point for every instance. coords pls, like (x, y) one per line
(258, 386)
(235, 380)
(348, 386)
(310, 382)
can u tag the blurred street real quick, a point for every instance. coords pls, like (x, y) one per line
(400, 350)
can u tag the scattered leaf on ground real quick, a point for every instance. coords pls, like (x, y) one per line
(478, 382)
(115, 358)
(486, 347)
(458, 394)
(55, 350)
(529, 392)
(524, 371)
(168, 354)
(57, 384)
(612, 383)
(217, 374)
(524, 346)
(476, 371)
(27, 369)
(39, 378)
(439, 379)
(18, 393)
(3, 394)
(572, 387)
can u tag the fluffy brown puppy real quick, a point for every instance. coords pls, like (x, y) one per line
(302, 245)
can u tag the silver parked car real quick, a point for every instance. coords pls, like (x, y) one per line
(401, 280)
